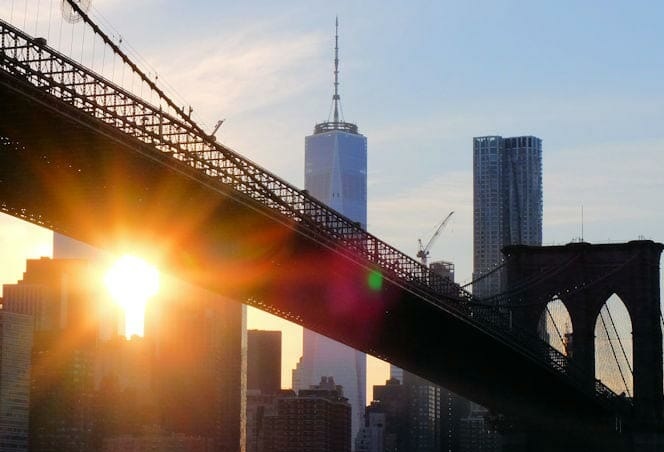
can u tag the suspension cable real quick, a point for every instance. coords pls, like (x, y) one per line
(533, 280)
(581, 286)
(135, 68)
(615, 356)
(555, 325)
(629, 366)
(485, 275)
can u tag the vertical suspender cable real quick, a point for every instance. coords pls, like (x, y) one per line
(37, 17)
(50, 15)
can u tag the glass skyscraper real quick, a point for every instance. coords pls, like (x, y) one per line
(507, 203)
(336, 173)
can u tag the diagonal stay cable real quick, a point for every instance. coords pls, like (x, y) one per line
(613, 351)
(629, 366)
(181, 113)
(555, 325)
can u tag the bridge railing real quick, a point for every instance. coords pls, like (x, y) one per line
(32, 61)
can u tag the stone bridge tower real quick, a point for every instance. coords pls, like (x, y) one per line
(583, 276)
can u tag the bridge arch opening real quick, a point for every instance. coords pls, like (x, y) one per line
(613, 346)
(555, 326)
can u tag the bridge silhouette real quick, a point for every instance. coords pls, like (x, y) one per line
(85, 157)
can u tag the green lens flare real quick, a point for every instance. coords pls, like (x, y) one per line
(375, 280)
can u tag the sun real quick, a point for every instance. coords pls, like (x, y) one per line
(131, 281)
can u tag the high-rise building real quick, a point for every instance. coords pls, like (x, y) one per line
(196, 344)
(453, 409)
(336, 174)
(392, 399)
(423, 418)
(317, 419)
(372, 436)
(264, 361)
(476, 433)
(15, 349)
(507, 203)
(200, 364)
(61, 297)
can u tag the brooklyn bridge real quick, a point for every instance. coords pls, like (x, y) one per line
(90, 158)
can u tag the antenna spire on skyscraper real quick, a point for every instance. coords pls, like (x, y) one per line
(336, 98)
(337, 122)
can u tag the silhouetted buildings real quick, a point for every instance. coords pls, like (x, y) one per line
(476, 434)
(264, 361)
(199, 369)
(392, 400)
(263, 383)
(371, 437)
(507, 203)
(417, 416)
(15, 350)
(336, 174)
(181, 384)
(154, 438)
(316, 419)
(197, 361)
(125, 397)
(60, 295)
(423, 419)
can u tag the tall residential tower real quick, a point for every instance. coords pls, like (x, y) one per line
(336, 173)
(507, 203)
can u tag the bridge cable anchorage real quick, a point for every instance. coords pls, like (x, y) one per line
(181, 112)
(68, 84)
(615, 356)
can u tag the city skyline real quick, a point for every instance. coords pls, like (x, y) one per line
(592, 97)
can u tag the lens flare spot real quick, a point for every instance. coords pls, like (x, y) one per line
(375, 280)
(131, 282)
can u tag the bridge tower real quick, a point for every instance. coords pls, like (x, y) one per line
(583, 277)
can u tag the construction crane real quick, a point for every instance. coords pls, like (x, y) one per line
(423, 252)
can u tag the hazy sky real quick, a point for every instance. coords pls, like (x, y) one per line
(420, 79)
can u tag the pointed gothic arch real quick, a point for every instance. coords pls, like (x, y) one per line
(555, 326)
(614, 346)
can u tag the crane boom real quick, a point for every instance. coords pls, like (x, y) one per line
(423, 252)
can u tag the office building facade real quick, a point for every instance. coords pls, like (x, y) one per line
(317, 419)
(336, 174)
(60, 297)
(507, 203)
(15, 349)
(197, 341)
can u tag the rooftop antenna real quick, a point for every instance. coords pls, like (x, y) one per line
(337, 118)
(336, 96)
(582, 222)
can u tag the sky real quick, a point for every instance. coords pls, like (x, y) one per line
(420, 79)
